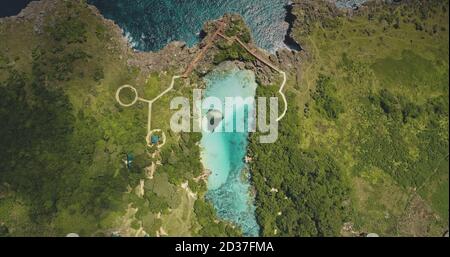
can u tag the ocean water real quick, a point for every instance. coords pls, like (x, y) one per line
(151, 24)
(224, 153)
(12, 7)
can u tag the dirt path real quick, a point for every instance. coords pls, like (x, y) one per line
(200, 56)
(255, 54)
(210, 41)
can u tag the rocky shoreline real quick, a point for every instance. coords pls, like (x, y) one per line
(175, 56)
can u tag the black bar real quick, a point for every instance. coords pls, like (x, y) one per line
(168, 246)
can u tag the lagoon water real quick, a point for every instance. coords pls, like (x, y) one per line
(223, 153)
(151, 24)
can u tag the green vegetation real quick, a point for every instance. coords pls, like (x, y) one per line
(230, 52)
(324, 98)
(363, 147)
(68, 29)
(372, 117)
(54, 163)
(181, 161)
(239, 29)
(127, 95)
(64, 138)
(300, 193)
(210, 226)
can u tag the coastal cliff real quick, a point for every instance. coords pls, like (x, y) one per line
(363, 147)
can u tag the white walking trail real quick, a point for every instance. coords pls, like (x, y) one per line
(283, 96)
(191, 67)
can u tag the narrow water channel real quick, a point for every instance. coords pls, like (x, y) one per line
(223, 153)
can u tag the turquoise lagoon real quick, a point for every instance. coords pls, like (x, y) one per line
(223, 153)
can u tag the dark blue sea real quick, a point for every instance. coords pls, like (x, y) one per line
(12, 7)
(151, 24)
